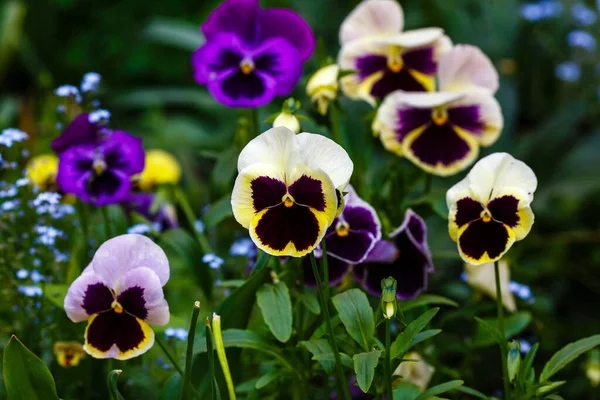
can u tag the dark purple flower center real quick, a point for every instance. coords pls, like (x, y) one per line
(99, 298)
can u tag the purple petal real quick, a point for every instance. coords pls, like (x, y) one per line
(235, 16)
(286, 24)
(505, 209)
(219, 57)
(440, 144)
(117, 335)
(111, 187)
(481, 238)
(141, 294)
(87, 295)
(308, 191)
(467, 117)
(75, 169)
(337, 270)
(392, 81)
(281, 225)
(279, 59)
(352, 248)
(124, 152)
(80, 131)
(416, 231)
(124, 253)
(384, 251)
(142, 204)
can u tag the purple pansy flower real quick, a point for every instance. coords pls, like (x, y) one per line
(97, 166)
(252, 54)
(406, 258)
(165, 215)
(353, 234)
(120, 295)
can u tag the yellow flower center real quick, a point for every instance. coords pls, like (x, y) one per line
(117, 307)
(486, 216)
(439, 116)
(288, 200)
(246, 66)
(99, 166)
(342, 229)
(395, 63)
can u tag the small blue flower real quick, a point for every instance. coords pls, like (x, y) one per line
(521, 291)
(581, 39)
(99, 116)
(22, 182)
(68, 91)
(140, 229)
(212, 260)
(10, 205)
(11, 135)
(47, 235)
(90, 82)
(22, 273)
(61, 109)
(36, 277)
(10, 192)
(199, 226)
(243, 247)
(568, 71)
(538, 11)
(583, 14)
(30, 290)
(525, 346)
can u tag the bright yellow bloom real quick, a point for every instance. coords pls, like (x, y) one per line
(161, 168)
(42, 170)
(68, 354)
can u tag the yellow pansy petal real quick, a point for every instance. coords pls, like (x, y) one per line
(160, 168)
(42, 170)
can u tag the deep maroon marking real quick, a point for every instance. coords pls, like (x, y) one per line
(105, 183)
(227, 59)
(410, 119)
(416, 227)
(481, 237)
(467, 210)
(505, 209)
(111, 328)
(360, 219)
(309, 192)
(240, 85)
(84, 165)
(97, 298)
(420, 60)
(352, 248)
(337, 270)
(132, 300)
(266, 192)
(439, 144)
(467, 117)
(114, 159)
(368, 65)
(392, 81)
(268, 62)
(281, 225)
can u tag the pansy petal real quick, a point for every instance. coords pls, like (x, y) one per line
(352, 248)
(412, 39)
(111, 187)
(141, 294)
(124, 152)
(75, 169)
(372, 17)
(360, 215)
(277, 146)
(288, 25)
(279, 59)
(465, 68)
(524, 224)
(79, 131)
(258, 186)
(462, 212)
(483, 278)
(115, 257)
(479, 114)
(236, 89)
(415, 230)
(336, 269)
(384, 251)
(117, 335)
(481, 242)
(221, 56)
(235, 16)
(320, 152)
(87, 295)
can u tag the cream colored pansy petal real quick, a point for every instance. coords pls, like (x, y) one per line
(372, 17)
(415, 371)
(242, 200)
(277, 146)
(490, 115)
(465, 68)
(319, 152)
(411, 39)
(324, 77)
(288, 120)
(483, 279)
(420, 99)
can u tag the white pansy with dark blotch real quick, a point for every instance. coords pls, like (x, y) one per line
(490, 208)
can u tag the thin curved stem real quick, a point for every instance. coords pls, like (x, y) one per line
(388, 362)
(503, 353)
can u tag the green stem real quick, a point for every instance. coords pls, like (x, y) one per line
(428, 179)
(325, 266)
(335, 126)
(174, 363)
(254, 124)
(106, 220)
(388, 362)
(191, 219)
(220, 346)
(187, 376)
(343, 386)
(500, 310)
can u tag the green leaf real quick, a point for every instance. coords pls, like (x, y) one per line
(356, 315)
(406, 391)
(424, 300)
(318, 348)
(311, 302)
(276, 307)
(567, 354)
(113, 390)
(489, 331)
(56, 293)
(176, 33)
(526, 366)
(514, 324)
(26, 377)
(364, 367)
(266, 379)
(218, 211)
(549, 387)
(422, 336)
(403, 341)
(472, 392)
(439, 389)
(513, 360)
(171, 390)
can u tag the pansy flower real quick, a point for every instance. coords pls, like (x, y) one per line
(383, 57)
(251, 54)
(355, 231)
(160, 168)
(165, 215)
(483, 279)
(120, 295)
(68, 354)
(286, 193)
(80, 131)
(441, 132)
(490, 208)
(42, 170)
(100, 173)
(406, 258)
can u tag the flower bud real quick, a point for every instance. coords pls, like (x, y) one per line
(592, 367)
(288, 120)
(513, 359)
(323, 86)
(388, 297)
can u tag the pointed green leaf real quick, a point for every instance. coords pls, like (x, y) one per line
(403, 341)
(311, 302)
(514, 324)
(276, 308)
(439, 389)
(567, 354)
(266, 379)
(364, 367)
(175, 33)
(26, 377)
(422, 336)
(526, 366)
(424, 300)
(472, 392)
(356, 315)
(406, 391)
(56, 293)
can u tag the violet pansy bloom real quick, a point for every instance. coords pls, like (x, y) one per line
(354, 232)
(406, 258)
(165, 214)
(251, 54)
(441, 132)
(97, 166)
(120, 295)
(383, 57)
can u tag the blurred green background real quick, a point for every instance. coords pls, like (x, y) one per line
(549, 63)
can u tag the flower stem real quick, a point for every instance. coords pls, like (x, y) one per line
(334, 120)
(83, 223)
(342, 384)
(388, 362)
(325, 266)
(189, 352)
(174, 363)
(503, 354)
(191, 219)
(254, 124)
(220, 346)
(106, 220)
(428, 179)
